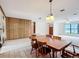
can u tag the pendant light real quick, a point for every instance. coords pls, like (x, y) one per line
(50, 17)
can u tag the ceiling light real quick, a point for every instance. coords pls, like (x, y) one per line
(50, 17)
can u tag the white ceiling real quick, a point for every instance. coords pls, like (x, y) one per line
(33, 9)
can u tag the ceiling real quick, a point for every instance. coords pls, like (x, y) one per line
(39, 9)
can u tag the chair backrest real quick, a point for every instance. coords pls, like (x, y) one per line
(57, 37)
(33, 36)
(49, 36)
(74, 48)
(33, 39)
(41, 43)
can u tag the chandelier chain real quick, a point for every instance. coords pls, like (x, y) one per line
(51, 8)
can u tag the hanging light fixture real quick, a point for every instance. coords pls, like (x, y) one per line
(50, 17)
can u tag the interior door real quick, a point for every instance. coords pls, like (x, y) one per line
(50, 30)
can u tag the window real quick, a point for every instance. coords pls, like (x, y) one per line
(74, 28)
(71, 28)
(67, 28)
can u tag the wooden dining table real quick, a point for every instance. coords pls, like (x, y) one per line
(55, 45)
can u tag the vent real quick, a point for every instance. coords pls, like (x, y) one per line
(62, 10)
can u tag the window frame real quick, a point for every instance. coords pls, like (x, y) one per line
(71, 28)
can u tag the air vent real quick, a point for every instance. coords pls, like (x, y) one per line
(62, 10)
(75, 14)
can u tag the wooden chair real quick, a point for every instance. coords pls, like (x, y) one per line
(72, 51)
(56, 37)
(34, 44)
(43, 49)
(49, 36)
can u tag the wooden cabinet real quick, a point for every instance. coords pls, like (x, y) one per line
(18, 28)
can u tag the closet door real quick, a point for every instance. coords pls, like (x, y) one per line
(28, 28)
(18, 28)
(29, 24)
(7, 28)
(21, 28)
(51, 30)
(15, 28)
(12, 28)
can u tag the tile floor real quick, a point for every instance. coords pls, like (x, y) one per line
(19, 48)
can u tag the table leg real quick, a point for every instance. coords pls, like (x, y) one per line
(53, 53)
(62, 53)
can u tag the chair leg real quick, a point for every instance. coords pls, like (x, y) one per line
(50, 55)
(31, 51)
(60, 52)
(56, 53)
(37, 53)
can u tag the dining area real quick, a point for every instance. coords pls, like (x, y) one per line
(53, 46)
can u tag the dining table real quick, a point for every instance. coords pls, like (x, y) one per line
(54, 44)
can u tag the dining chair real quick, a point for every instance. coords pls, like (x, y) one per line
(48, 35)
(43, 49)
(72, 51)
(56, 37)
(34, 44)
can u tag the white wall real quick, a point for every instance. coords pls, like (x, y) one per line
(58, 28)
(41, 27)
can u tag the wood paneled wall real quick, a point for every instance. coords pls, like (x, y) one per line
(18, 28)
